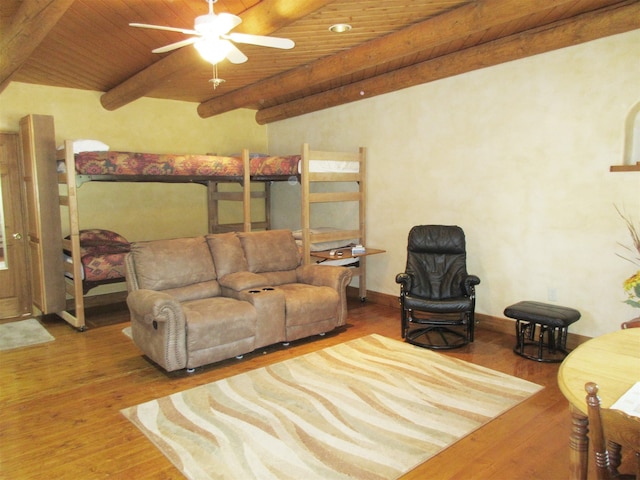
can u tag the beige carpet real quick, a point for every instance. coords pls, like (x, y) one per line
(22, 334)
(371, 408)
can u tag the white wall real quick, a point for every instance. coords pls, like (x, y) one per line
(518, 155)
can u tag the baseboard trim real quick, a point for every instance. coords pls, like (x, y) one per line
(485, 322)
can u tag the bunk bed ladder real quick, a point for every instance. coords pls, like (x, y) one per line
(309, 198)
(245, 196)
(69, 199)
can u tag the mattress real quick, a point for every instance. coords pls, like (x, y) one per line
(324, 246)
(331, 166)
(151, 164)
(170, 165)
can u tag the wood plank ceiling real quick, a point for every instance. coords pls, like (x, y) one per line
(393, 44)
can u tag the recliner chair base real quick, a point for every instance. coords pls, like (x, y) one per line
(436, 338)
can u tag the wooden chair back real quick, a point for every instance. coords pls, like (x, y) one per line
(609, 431)
(635, 323)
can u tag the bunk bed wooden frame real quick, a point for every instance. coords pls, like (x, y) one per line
(309, 198)
(68, 187)
(69, 182)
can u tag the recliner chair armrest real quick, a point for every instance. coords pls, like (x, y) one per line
(158, 327)
(470, 282)
(149, 305)
(405, 280)
(332, 276)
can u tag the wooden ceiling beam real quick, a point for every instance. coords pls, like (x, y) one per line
(29, 26)
(263, 19)
(583, 28)
(455, 24)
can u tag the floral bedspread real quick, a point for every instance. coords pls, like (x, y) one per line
(102, 253)
(128, 163)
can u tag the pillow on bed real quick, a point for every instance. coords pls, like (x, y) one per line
(100, 237)
(89, 146)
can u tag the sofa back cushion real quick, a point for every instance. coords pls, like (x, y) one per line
(182, 266)
(270, 250)
(227, 253)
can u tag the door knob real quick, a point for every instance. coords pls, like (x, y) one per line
(17, 236)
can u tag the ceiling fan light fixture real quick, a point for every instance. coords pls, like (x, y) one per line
(213, 50)
(340, 28)
(216, 24)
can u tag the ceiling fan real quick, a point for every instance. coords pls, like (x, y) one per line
(212, 39)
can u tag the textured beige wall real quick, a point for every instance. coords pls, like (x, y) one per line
(518, 155)
(139, 211)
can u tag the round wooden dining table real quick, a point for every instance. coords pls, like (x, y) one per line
(613, 362)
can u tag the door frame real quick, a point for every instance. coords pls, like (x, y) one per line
(16, 283)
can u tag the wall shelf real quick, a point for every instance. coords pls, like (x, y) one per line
(625, 168)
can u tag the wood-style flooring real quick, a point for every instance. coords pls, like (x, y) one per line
(60, 405)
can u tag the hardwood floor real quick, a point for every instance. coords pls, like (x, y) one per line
(60, 404)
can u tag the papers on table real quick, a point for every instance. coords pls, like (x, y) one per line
(629, 403)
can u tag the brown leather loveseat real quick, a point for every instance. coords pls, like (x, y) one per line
(199, 300)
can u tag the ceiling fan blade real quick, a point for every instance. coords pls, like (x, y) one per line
(262, 41)
(176, 45)
(236, 56)
(227, 22)
(186, 31)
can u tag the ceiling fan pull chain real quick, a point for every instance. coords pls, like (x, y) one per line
(215, 80)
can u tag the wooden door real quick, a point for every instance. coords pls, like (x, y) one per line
(15, 295)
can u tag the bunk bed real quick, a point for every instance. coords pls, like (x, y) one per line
(75, 168)
(105, 165)
(337, 168)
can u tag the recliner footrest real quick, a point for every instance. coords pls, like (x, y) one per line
(547, 320)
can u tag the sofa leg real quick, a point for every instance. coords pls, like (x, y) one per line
(322, 334)
(191, 370)
(285, 344)
(239, 357)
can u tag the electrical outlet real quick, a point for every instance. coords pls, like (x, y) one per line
(552, 294)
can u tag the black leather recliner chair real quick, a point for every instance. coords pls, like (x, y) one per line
(437, 295)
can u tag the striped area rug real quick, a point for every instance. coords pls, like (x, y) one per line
(371, 408)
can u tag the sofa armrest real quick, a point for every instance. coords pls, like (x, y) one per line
(330, 276)
(158, 327)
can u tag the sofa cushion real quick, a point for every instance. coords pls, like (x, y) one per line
(218, 328)
(195, 291)
(216, 321)
(227, 253)
(308, 303)
(175, 263)
(270, 250)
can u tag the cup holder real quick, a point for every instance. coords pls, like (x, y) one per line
(263, 289)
